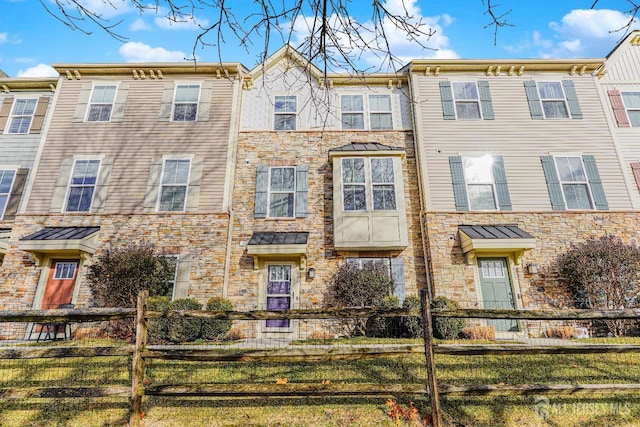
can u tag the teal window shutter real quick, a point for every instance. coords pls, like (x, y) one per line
(500, 180)
(533, 98)
(448, 107)
(553, 183)
(459, 185)
(262, 182)
(302, 189)
(485, 100)
(397, 275)
(572, 99)
(595, 183)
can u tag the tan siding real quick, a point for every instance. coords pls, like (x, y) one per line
(625, 65)
(518, 138)
(135, 141)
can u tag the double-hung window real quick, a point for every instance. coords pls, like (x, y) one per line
(467, 100)
(22, 115)
(82, 185)
(632, 105)
(101, 103)
(380, 114)
(282, 188)
(478, 174)
(185, 103)
(553, 99)
(574, 182)
(368, 184)
(6, 182)
(285, 113)
(352, 107)
(375, 114)
(173, 185)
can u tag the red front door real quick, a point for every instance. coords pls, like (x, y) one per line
(61, 282)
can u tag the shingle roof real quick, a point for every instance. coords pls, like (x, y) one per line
(279, 238)
(368, 146)
(62, 233)
(507, 231)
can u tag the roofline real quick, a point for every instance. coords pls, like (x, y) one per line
(510, 67)
(633, 38)
(16, 84)
(141, 69)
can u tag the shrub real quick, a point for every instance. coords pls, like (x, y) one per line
(181, 330)
(602, 273)
(446, 328)
(158, 329)
(411, 326)
(487, 333)
(382, 326)
(234, 334)
(563, 332)
(216, 329)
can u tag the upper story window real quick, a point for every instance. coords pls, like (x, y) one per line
(574, 182)
(185, 103)
(22, 115)
(282, 187)
(6, 183)
(478, 173)
(173, 185)
(467, 100)
(101, 103)
(375, 114)
(552, 100)
(285, 111)
(632, 105)
(554, 104)
(82, 185)
(368, 184)
(281, 191)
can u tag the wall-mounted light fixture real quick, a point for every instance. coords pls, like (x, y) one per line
(311, 273)
(532, 268)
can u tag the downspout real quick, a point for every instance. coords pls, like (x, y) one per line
(421, 183)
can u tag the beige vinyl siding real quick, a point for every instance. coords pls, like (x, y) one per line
(624, 64)
(517, 137)
(134, 142)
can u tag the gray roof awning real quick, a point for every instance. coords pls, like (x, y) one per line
(278, 245)
(279, 238)
(61, 240)
(507, 238)
(61, 233)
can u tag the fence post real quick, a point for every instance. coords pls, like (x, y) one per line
(137, 370)
(436, 414)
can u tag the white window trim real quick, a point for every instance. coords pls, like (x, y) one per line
(186, 193)
(269, 192)
(93, 195)
(466, 101)
(366, 110)
(275, 113)
(627, 109)
(368, 183)
(493, 186)
(371, 111)
(13, 182)
(564, 198)
(89, 103)
(563, 99)
(12, 115)
(173, 102)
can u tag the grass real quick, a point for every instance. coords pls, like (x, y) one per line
(609, 410)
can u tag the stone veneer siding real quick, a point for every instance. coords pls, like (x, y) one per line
(312, 148)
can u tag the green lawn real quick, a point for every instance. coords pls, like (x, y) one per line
(620, 410)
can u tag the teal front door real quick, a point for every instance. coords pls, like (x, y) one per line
(497, 291)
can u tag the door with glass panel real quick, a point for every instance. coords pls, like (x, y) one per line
(497, 291)
(280, 293)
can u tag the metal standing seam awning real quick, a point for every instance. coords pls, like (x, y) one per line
(63, 240)
(278, 244)
(494, 238)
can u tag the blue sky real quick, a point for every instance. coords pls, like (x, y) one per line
(31, 39)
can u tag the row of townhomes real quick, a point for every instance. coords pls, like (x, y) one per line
(465, 177)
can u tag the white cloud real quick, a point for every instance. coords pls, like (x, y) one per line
(40, 70)
(140, 52)
(4, 37)
(139, 25)
(108, 9)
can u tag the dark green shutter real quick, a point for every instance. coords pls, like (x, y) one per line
(16, 194)
(553, 183)
(448, 107)
(534, 99)
(397, 275)
(459, 185)
(572, 99)
(262, 183)
(485, 100)
(302, 185)
(595, 183)
(500, 180)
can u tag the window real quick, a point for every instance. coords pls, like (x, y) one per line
(380, 115)
(553, 100)
(6, 182)
(364, 179)
(352, 111)
(169, 289)
(574, 182)
(22, 115)
(65, 270)
(101, 103)
(467, 100)
(632, 105)
(185, 105)
(478, 174)
(173, 186)
(284, 113)
(282, 185)
(82, 185)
